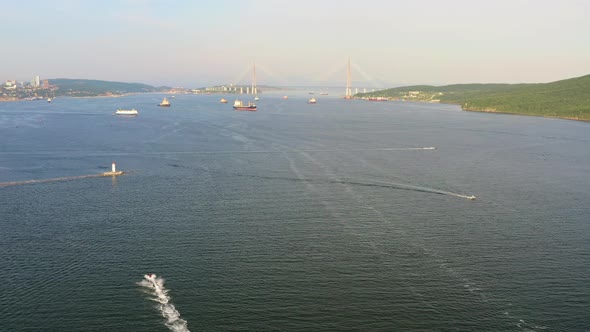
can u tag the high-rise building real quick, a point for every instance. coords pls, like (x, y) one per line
(36, 82)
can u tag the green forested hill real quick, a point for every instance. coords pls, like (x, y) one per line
(81, 87)
(568, 98)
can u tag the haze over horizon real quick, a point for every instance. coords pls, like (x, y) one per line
(186, 43)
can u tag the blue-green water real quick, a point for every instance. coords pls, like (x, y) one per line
(296, 217)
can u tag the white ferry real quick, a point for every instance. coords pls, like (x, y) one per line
(132, 111)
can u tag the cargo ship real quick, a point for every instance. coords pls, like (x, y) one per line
(239, 106)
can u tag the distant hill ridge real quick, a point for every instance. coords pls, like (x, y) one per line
(84, 87)
(569, 98)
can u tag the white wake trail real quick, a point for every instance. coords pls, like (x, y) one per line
(427, 189)
(155, 287)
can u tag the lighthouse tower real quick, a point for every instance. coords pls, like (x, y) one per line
(113, 171)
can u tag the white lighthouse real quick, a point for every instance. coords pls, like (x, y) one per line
(113, 171)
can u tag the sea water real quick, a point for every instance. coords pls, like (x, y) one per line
(320, 217)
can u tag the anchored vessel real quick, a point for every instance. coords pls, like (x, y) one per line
(132, 111)
(311, 101)
(164, 103)
(223, 101)
(239, 106)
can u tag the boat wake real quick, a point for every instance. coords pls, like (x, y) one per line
(154, 286)
(404, 186)
(392, 185)
(66, 178)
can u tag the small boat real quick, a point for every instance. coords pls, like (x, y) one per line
(311, 101)
(256, 98)
(48, 100)
(223, 101)
(285, 97)
(132, 111)
(239, 106)
(164, 103)
(323, 93)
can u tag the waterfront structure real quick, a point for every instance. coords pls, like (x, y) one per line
(348, 82)
(254, 90)
(113, 171)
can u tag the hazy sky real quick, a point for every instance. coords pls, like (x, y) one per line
(299, 42)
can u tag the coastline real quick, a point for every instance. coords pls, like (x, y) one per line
(493, 110)
(12, 99)
(525, 114)
(106, 96)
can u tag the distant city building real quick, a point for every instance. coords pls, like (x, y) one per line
(10, 85)
(35, 82)
(45, 84)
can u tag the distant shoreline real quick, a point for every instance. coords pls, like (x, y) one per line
(76, 97)
(524, 114)
(13, 99)
(10, 99)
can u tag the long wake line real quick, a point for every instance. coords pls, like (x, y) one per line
(392, 185)
(65, 178)
(155, 287)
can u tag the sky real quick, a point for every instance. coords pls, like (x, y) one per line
(300, 42)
